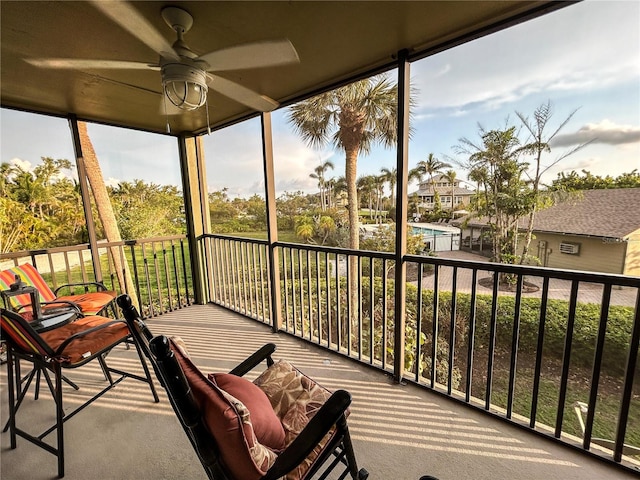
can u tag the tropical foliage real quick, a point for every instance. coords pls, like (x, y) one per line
(42, 208)
(587, 181)
(352, 118)
(508, 171)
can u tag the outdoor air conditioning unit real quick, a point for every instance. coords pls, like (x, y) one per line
(570, 248)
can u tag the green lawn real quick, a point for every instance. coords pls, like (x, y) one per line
(283, 236)
(607, 406)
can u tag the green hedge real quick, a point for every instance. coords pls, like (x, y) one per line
(585, 331)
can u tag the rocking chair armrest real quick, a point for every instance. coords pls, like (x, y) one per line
(100, 287)
(133, 318)
(331, 414)
(180, 395)
(75, 336)
(262, 354)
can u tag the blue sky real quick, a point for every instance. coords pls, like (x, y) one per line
(584, 57)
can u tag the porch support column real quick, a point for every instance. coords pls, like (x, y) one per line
(275, 303)
(86, 198)
(196, 205)
(401, 214)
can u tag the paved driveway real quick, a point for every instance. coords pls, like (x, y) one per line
(559, 289)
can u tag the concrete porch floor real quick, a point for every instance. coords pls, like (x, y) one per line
(400, 432)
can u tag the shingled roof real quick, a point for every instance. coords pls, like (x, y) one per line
(602, 213)
(613, 213)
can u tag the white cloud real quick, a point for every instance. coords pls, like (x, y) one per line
(546, 55)
(22, 164)
(234, 161)
(111, 182)
(604, 132)
(27, 166)
(294, 162)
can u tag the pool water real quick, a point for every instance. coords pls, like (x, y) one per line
(427, 231)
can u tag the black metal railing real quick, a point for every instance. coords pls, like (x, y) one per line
(526, 344)
(236, 274)
(158, 269)
(552, 351)
(339, 299)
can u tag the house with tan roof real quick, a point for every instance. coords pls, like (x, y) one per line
(594, 230)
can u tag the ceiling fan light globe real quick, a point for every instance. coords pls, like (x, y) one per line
(185, 95)
(184, 86)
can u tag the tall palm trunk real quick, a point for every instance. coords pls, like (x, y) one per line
(105, 211)
(352, 197)
(351, 159)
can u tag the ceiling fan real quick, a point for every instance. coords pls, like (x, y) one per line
(186, 76)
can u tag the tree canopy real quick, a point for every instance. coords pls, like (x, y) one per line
(42, 208)
(587, 181)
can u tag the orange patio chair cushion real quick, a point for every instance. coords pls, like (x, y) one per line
(80, 349)
(90, 303)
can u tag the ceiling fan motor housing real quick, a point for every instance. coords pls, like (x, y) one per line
(184, 85)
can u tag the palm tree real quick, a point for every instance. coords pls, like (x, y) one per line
(329, 191)
(450, 176)
(391, 177)
(353, 118)
(339, 185)
(539, 143)
(304, 229)
(478, 175)
(105, 210)
(428, 167)
(366, 186)
(320, 170)
(378, 184)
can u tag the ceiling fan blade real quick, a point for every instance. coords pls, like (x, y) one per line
(125, 15)
(241, 94)
(78, 64)
(251, 55)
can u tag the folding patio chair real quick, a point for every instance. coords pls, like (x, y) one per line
(281, 425)
(70, 346)
(94, 299)
(581, 409)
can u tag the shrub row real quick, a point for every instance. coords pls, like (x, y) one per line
(585, 330)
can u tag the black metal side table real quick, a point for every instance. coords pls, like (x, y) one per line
(31, 291)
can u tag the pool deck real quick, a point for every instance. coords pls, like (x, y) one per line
(443, 227)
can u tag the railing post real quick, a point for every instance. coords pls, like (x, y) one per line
(194, 188)
(401, 214)
(272, 222)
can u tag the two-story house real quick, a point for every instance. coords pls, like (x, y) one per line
(450, 196)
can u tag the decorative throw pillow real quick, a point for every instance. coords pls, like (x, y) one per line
(180, 344)
(296, 399)
(229, 422)
(266, 425)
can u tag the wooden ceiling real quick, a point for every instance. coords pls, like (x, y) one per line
(336, 42)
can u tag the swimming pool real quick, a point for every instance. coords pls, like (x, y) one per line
(428, 231)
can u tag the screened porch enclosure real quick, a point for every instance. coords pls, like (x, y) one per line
(528, 358)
